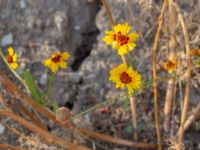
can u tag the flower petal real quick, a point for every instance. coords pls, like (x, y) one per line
(54, 67)
(10, 51)
(63, 64)
(123, 50)
(127, 28)
(109, 33)
(13, 65)
(14, 57)
(47, 62)
(108, 39)
(133, 36)
(65, 56)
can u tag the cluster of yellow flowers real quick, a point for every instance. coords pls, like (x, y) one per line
(120, 39)
(122, 75)
(56, 61)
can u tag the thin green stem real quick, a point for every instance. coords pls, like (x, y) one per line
(90, 109)
(14, 72)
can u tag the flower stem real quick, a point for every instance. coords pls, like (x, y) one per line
(124, 60)
(90, 109)
(134, 116)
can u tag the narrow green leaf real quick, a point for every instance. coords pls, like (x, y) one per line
(31, 85)
(129, 128)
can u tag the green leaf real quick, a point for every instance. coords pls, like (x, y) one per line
(31, 85)
(126, 103)
(197, 63)
(51, 78)
(55, 106)
(147, 83)
(141, 126)
(129, 128)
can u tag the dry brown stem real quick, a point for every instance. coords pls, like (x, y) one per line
(117, 140)
(188, 75)
(195, 114)
(156, 107)
(108, 12)
(134, 116)
(28, 139)
(9, 147)
(171, 82)
(32, 117)
(46, 135)
(23, 110)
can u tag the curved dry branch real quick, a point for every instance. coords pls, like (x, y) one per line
(156, 107)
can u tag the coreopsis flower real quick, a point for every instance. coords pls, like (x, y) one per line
(11, 58)
(120, 38)
(195, 52)
(170, 65)
(57, 60)
(124, 76)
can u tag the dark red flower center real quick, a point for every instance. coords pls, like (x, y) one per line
(125, 78)
(170, 64)
(120, 38)
(56, 58)
(9, 59)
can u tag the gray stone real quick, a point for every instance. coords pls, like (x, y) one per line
(2, 129)
(75, 77)
(7, 40)
(22, 4)
(43, 79)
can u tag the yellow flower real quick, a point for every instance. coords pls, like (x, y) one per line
(120, 39)
(195, 52)
(12, 58)
(57, 60)
(170, 65)
(124, 76)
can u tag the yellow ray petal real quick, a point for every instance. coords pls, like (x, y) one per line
(10, 51)
(65, 56)
(47, 62)
(13, 65)
(15, 57)
(108, 39)
(63, 64)
(54, 67)
(123, 50)
(133, 36)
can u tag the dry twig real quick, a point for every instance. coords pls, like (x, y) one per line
(171, 82)
(7, 147)
(156, 108)
(188, 75)
(195, 114)
(46, 135)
